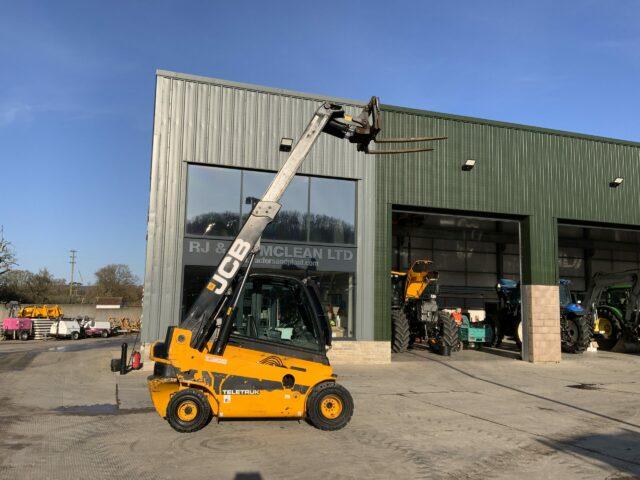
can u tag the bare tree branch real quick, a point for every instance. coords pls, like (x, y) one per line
(7, 256)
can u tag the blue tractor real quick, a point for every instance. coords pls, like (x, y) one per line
(506, 317)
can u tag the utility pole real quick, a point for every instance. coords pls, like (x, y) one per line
(72, 261)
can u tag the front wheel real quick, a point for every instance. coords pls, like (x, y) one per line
(449, 334)
(329, 406)
(188, 411)
(575, 334)
(606, 330)
(75, 336)
(400, 331)
(24, 335)
(104, 334)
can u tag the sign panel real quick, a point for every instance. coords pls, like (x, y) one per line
(275, 255)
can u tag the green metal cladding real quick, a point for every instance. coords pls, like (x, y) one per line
(537, 175)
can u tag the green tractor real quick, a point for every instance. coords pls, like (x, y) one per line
(506, 317)
(614, 302)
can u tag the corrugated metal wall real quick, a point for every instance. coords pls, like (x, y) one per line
(216, 122)
(535, 174)
(538, 175)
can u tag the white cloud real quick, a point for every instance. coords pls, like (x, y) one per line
(15, 112)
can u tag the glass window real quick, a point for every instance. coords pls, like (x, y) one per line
(213, 206)
(290, 223)
(337, 295)
(276, 310)
(219, 201)
(332, 211)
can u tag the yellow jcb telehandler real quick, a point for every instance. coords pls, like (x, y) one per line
(254, 345)
(415, 314)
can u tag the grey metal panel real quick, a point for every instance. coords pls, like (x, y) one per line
(366, 234)
(203, 121)
(240, 128)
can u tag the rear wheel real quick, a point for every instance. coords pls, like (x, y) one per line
(518, 334)
(329, 406)
(75, 335)
(104, 334)
(188, 411)
(449, 336)
(606, 330)
(400, 333)
(24, 335)
(576, 334)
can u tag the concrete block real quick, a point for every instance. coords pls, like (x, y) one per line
(541, 314)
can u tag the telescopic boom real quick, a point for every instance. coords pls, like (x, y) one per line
(219, 297)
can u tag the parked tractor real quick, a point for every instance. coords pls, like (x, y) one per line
(414, 311)
(614, 302)
(506, 319)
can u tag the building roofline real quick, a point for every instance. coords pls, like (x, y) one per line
(394, 108)
(514, 126)
(257, 88)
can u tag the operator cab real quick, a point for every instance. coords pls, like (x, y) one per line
(281, 315)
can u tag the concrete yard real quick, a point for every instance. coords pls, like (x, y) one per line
(475, 415)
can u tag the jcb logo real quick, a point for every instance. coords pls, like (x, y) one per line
(230, 264)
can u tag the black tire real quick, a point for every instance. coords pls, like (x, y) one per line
(496, 335)
(400, 332)
(104, 334)
(449, 335)
(24, 335)
(183, 403)
(329, 393)
(75, 335)
(608, 342)
(576, 334)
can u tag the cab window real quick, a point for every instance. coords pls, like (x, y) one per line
(276, 310)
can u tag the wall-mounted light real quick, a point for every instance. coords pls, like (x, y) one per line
(468, 165)
(286, 144)
(617, 182)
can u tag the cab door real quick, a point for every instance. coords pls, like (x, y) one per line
(278, 350)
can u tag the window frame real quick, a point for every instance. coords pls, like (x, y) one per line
(241, 209)
(319, 334)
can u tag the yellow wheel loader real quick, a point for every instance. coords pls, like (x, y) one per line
(254, 345)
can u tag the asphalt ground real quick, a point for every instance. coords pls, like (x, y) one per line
(475, 415)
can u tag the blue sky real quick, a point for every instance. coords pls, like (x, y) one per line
(77, 88)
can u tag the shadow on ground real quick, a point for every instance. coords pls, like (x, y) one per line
(619, 450)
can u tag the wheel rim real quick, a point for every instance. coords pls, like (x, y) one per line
(520, 330)
(572, 331)
(331, 406)
(187, 411)
(604, 327)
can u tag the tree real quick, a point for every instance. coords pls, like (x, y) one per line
(39, 286)
(7, 256)
(28, 287)
(13, 286)
(117, 280)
